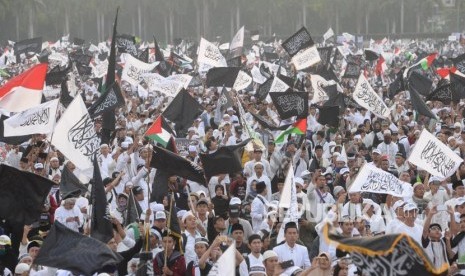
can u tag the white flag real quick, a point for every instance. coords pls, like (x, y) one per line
(75, 135)
(288, 200)
(329, 33)
(237, 43)
(365, 96)
(134, 69)
(433, 156)
(278, 85)
(100, 69)
(257, 76)
(373, 180)
(306, 58)
(210, 54)
(226, 264)
(169, 88)
(184, 79)
(243, 80)
(318, 83)
(39, 119)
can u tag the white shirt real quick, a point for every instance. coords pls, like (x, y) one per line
(263, 178)
(390, 150)
(189, 254)
(61, 214)
(258, 213)
(248, 167)
(298, 254)
(415, 232)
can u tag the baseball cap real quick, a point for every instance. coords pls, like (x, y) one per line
(376, 151)
(5, 240)
(344, 170)
(38, 166)
(398, 204)
(160, 215)
(202, 201)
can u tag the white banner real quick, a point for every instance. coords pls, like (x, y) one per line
(373, 180)
(278, 85)
(39, 119)
(134, 69)
(306, 58)
(365, 96)
(319, 94)
(210, 54)
(433, 156)
(226, 264)
(75, 135)
(243, 80)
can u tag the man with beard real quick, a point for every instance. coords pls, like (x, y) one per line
(387, 147)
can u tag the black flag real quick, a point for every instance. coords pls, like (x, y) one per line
(101, 226)
(234, 62)
(442, 93)
(352, 71)
(108, 118)
(265, 71)
(13, 140)
(65, 98)
(108, 101)
(224, 102)
(226, 159)
(421, 83)
(164, 67)
(289, 104)
(69, 183)
(298, 41)
(78, 41)
(174, 164)
(133, 210)
(398, 84)
(182, 111)
(28, 45)
(329, 115)
(222, 76)
(268, 124)
(126, 44)
(66, 249)
(419, 104)
(396, 254)
(144, 55)
(458, 87)
(325, 54)
(371, 55)
(263, 89)
(23, 195)
(56, 76)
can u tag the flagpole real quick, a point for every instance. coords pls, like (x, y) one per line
(169, 225)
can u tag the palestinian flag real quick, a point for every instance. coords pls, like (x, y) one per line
(299, 127)
(427, 61)
(160, 131)
(25, 90)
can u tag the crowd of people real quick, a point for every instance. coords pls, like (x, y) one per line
(244, 207)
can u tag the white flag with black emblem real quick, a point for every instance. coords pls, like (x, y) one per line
(75, 135)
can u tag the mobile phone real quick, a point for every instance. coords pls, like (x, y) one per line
(286, 264)
(441, 208)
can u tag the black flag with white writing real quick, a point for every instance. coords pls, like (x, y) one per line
(263, 89)
(126, 44)
(352, 71)
(298, 41)
(33, 45)
(222, 76)
(108, 101)
(442, 93)
(289, 104)
(459, 63)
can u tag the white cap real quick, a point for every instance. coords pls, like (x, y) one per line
(269, 254)
(192, 148)
(340, 158)
(450, 138)
(5, 240)
(304, 173)
(124, 145)
(376, 151)
(410, 206)
(180, 214)
(191, 129)
(186, 215)
(459, 201)
(298, 180)
(398, 204)
(387, 132)
(155, 207)
(457, 124)
(344, 170)
(21, 268)
(160, 215)
(38, 166)
(54, 159)
(235, 201)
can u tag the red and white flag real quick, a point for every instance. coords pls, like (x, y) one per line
(24, 91)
